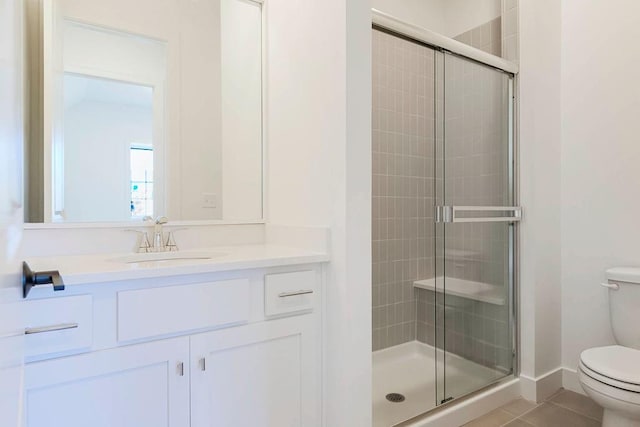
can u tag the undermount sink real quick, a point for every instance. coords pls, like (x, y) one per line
(165, 256)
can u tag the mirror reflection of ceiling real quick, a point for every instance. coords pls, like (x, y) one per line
(79, 89)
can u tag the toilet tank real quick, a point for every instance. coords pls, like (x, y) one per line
(624, 305)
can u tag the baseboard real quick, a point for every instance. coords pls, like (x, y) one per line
(472, 407)
(570, 380)
(539, 388)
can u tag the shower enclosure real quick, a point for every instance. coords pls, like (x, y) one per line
(444, 232)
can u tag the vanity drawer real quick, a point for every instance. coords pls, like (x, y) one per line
(159, 311)
(58, 325)
(289, 292)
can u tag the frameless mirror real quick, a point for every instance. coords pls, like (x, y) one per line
(144, 108)
(488, 25)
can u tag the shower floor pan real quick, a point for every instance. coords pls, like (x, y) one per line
(410, 370)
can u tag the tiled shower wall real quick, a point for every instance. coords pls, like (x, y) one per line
(510, 31)
(403, 120)
(486, 37)
(499, 36)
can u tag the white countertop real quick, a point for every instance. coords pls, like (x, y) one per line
(86, 269)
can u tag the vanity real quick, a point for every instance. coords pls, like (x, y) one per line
(144, 169)
(232, 340)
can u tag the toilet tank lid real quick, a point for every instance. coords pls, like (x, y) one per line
(624, 274)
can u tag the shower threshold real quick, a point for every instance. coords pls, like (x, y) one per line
(409, 369)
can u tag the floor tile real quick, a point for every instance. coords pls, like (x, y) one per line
(549, 414)
(578, 403)
(557, 392)
(495, 418)
(518, 407)
(518, 423)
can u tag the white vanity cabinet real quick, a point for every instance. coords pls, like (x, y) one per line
(265, 374)
(133, 386)
(246, 352)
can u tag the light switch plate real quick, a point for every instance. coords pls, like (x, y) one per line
(209, 200)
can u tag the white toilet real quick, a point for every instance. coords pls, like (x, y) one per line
(611, 375)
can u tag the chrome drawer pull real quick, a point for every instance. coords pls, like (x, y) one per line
(52, 328)
(295, 293)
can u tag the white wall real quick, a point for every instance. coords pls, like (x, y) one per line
(600, 158)
(319, 133)
(241, 69)
(540, 142)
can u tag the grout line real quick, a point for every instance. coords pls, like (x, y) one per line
(519, 417)
(574, 411)
(556, 394)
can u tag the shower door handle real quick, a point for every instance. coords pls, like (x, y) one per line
(451, 214)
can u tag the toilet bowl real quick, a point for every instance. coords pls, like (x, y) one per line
(611, 375)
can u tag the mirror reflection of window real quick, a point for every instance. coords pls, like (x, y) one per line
(141, 159)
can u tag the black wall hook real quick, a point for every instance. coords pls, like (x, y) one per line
(32, 278)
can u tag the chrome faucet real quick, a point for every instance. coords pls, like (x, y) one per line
(158, 234)
(158, 242)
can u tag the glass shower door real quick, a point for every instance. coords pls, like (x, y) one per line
(475, 221)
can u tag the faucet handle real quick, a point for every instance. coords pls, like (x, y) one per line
(142, 242)
(162, 220)
(145, 245)
(171, 244)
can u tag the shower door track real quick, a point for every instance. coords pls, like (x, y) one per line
(387, 23)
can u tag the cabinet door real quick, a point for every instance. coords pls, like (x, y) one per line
(260, 375)
(144, 385)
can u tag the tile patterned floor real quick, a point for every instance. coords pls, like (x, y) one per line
(565, 408)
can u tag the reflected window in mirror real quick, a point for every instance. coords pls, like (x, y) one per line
(141, 158)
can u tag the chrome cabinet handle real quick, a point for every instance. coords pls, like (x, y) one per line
(295, 293)
(52, 328)
(612, 286)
